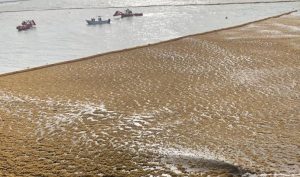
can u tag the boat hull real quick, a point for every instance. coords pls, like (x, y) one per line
(90, 22)
(131, 15)
(24, 27)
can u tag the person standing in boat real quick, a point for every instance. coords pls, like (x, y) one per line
(128, 11)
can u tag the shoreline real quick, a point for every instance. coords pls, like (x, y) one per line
(142, 46)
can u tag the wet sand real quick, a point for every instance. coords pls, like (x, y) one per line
(218, 103)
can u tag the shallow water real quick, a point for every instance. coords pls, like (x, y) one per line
(63, 34)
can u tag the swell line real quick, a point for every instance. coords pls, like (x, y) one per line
(11, 1)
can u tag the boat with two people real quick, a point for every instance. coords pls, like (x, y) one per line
(25, 25)
(127, 13)
(97, 22)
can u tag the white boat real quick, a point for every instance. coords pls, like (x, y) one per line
(97, 22)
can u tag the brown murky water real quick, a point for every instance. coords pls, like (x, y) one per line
(221, 103)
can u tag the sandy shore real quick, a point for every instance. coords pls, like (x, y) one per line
(219, 103)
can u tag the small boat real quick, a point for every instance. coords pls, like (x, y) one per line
(25, 25)
(97, 22)
(127, 13)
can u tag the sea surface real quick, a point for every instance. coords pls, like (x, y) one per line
(62, 34)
